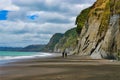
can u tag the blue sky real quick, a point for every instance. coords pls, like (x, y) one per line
(25, 22)
(3, 14)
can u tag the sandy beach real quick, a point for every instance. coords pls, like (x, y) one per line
(58, 68)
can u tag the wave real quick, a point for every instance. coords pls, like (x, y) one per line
(8, 59)
(24, 57)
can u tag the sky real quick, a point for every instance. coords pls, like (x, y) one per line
(26, 22)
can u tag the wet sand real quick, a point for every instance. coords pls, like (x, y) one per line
(70, 68)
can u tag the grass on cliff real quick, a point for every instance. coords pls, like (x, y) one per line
(115, 6)
(81, 19)
(102, 9)
(105, 18)
(72, 37)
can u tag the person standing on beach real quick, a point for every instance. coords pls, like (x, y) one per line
(118, 55)
(63, 54)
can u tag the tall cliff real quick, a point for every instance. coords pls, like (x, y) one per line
(97, 33)
(100, 35)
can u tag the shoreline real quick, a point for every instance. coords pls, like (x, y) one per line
(58, 68)
(40, 55)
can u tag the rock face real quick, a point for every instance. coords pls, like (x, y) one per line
(100, 36)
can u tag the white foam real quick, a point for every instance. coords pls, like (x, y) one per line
(24, 57)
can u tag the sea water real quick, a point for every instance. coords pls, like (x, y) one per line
(11, 56)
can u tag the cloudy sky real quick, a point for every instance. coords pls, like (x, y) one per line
(24, 22)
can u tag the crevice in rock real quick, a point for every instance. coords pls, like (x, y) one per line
(96, 45)
(92, 51)
(85, 47)
(86, 43)
(99, 48)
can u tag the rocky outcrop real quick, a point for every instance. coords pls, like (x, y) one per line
(100, 36)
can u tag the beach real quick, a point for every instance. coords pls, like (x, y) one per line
(58, 68)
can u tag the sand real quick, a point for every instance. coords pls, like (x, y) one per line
(70, 68)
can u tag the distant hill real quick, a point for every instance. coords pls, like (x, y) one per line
(10, 48)
(33, 48)
(30, 48)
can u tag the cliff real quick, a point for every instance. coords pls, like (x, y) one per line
(100, 34)
(68, 41)
(59, 42)
(53, 41)
(97, 33)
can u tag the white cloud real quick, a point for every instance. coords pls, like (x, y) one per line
(7, 5)
(34, 33)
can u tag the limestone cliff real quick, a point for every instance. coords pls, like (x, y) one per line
(100, 35)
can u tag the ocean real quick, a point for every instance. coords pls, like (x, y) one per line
(10, 56)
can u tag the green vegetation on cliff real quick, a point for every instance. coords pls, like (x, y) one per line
(115, 6)
(101, 36)
(81, 19)
(105, 18)
(53, 41)
(103, 9)
(68, 40)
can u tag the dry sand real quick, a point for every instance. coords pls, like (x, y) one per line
(70, 68)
